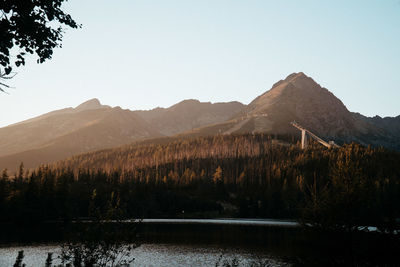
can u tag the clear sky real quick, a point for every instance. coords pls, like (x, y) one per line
(144, 54)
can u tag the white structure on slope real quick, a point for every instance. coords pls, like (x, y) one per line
(305, 132)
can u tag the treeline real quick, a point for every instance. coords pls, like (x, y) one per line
(239, 176)
(166, 150)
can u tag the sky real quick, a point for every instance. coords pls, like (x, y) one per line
(147, 54)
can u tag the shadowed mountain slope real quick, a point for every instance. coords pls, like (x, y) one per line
(66, 132)
(189, 114)
(390, 125)
(92, 126)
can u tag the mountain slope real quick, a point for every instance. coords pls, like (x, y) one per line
(189, 114)
(299, 98)
(92, 126)
(63, 133)
(389, 124)
(34, 132)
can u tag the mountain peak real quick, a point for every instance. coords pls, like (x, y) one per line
(188, 102)
(300, 98)
(292, 78)
(93, 103)
(301, 81)
(296, 75)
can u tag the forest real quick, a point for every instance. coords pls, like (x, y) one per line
(244, 176)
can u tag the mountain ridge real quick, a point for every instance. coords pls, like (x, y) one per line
(91, 126)
(189, 114)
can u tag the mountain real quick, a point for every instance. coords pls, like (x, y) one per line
(93, 126)
(389, 124)
(388, 127)
(299, 98)
(90, 105)
(67, 132)
(189, 114)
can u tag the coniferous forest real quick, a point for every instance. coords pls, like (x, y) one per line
(246, 176)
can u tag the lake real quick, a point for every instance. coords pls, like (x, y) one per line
(154, 255)
(205, 242)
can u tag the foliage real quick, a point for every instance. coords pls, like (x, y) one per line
(227, 263)
(240, 176)
(235, 262)
(102, 241)
(30, 26)
(19, 259)
(49, 260)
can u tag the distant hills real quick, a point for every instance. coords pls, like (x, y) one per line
(92, 126)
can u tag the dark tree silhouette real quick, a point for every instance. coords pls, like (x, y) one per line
(30, 26)
(245, 176)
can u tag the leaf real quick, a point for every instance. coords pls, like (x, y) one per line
(8, 70)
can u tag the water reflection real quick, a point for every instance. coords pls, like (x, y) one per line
(168, 255)
(199, 244)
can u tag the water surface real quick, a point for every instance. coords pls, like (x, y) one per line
(168, 255)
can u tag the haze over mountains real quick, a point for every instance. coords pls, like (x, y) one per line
(92, 126)
(189, 114)
(66, 132)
